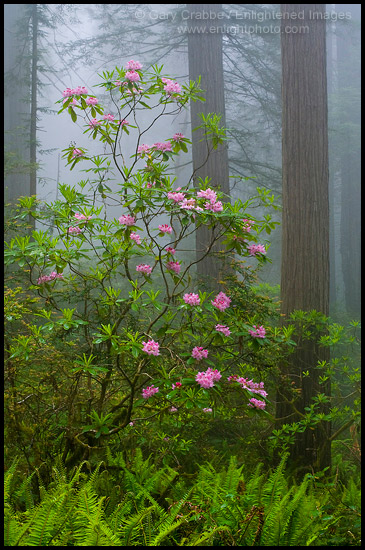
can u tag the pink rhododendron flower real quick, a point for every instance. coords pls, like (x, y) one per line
(222, 328)
(221, 301)
(256, 249)
(170, 250)
(206, 379)
(257, 403)
(151, 347)
(214, 207)
(132, 76)
(208, 194)
(127, 220)
(124, 122)
(81, 217)
(178, 137)
(144, 268)
(109, 117)
(199, 353)
(247, 225)
(171, 87)
(207, 410)
(177, 385)
(165, 228)
(47, 278)
(143, 148)
(173, 409)
(174, 266)
(94, 123)
(149, 391)
(190, 204)
(134, 65)
(191, 299)
(162, 146)
(67, 93)
(77, 153)
(80, 90)
(175, 196)
(135, 237)
(91, 101)
(74, 230)
(259, 332)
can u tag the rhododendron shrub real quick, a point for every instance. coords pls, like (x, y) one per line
(147, 339)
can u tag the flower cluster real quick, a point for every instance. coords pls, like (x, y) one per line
(176, 195)
(206, 379)
(257, 403)
(212, 203)
(91, 101)
(80, 90)
(207, 410)
(127, 220)
(151, 347)
(109, 117)
(94, 123)
(143, 149)
(170, 250)
(171, 87)
(132, 76)
(221, 301)
(223, 329)
(81, 217)
(144, 268)
(191, 299)
(255, 249)
(135, 237)
(259, 332)
(174, 266)
(74, 230)
(199, 353)
(149, 391)
(165, 228)
(77, 153)
(47, 278)
(178, 137)
(134, 65)
(160, 146)
(177, 385)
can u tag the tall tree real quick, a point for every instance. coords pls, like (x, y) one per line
(206, 61)
(305, 223)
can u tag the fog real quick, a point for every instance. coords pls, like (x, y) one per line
(74, 42)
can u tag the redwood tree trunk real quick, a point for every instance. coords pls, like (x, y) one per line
(305, 224)
(205, 60)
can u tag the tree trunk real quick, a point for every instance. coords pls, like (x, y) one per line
(305, 222)
(205, 60)
(33, 104)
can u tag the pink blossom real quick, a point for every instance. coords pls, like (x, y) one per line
(191, 299)
(135, 237)
(127, 220)
(214, 207)
(177, 385)
(81, 217)
(206, 379)
(189, 204)
(144, 268)
(77, 153)
(47, 278)
(151, 347)
(131, 423)
(199, 353)
(91, 101)
(93, 123)
(247, 225)
(143, 148)
(109, 117)
(67, 93)
(74, 230)
(133, 65)
(254, 387)
(118, 83)
(257, 403)
(207, 410)
(208, 194)
(222, 328)
(174, 196)
(124, 122)
(178, 137)
(221, 302)
(132, 76)
(162, 146)
(80, 90)
(170, 250)
(259, 332)
(171, 87)
(256, 249)
(149, 391)
(174, 266)
(165, 228)
(173, 410)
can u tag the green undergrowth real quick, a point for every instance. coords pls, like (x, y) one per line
(134, 503)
